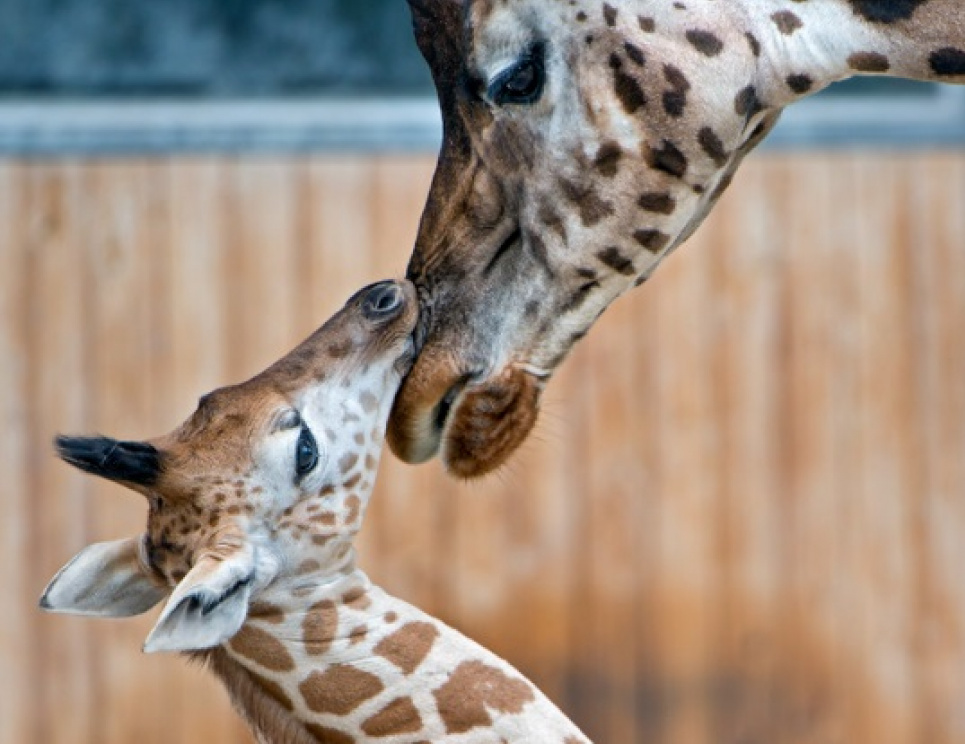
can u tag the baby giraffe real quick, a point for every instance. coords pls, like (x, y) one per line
(254, 502)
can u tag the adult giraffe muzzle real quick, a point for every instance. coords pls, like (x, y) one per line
(582, 142)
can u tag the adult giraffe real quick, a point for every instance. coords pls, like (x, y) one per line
(583, 141)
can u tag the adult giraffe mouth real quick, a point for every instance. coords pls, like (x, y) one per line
(473, 423)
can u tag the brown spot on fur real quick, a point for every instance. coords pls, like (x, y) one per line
(647, 25)
(266, 612)
(357, 599)
(307, 566)
(609, 14)
(786, 21)
(369, 402)
(675, 99)
(711, 145)
(653, 240)
(947, 62)
(326, 735)
(262, 647)
(615, 259)
(347, 462)
(628, 90)
(320, 627)
(869, 62)
(746, 103)
(408, 646)
(584, 197)
(607, 160)
(398, 717)
(474, 689)
(391, 617)
(340, 689)
(800, 83)
(705, 42)
(354, 504)
(667, 158)
(634, 53)
(885, 11)
(339, 349)
(658, 202)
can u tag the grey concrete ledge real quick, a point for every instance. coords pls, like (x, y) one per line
(32, 128)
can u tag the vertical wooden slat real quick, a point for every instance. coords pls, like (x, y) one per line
(686, 537)
(745, 261)
(117, 243)
(200, 248)
(17, 663)
(58, 334)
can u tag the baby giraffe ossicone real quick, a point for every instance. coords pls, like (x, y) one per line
(254, 502)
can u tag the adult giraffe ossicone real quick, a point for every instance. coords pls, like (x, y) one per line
(583, 141)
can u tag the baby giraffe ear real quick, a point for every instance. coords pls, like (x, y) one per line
(207, 608)
(103, 580)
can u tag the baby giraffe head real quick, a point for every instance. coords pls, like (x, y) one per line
(264, 485)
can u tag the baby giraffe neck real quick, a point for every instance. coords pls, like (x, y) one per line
(342, 661)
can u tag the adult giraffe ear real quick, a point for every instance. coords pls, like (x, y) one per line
(103, 580)
(208, 607)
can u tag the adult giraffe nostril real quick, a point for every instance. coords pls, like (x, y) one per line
(382, 299)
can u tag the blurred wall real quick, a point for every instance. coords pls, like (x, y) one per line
(742, 517)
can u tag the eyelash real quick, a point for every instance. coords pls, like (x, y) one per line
(500, 91)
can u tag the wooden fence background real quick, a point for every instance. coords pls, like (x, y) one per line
(742, 520)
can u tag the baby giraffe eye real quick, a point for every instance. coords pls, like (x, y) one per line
(306, 453)
(523, 82)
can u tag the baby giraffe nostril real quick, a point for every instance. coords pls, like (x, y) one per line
(382, 299)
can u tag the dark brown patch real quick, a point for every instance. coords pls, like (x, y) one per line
(614, 258)
(711, 145)
(667, 158)
(607, 160)
(659, 202)
(886, 11)
(581, 16)
(634, 53)
(263, 648)
(340, 689)
(551, 219)
(391, 616)
(474, 689)
(653, 240)
(609, 14)
(577, 299)
(746, 103)
(584, 197)
(786, 21)
(537, 249)
(357, 599)
(339, 349)
(398, 717)
(675, 99)
(626, 87)
(326, 735)
(408, 646)
(266, 612)
(647, 24)
(755, 45)
(705, 42)
(869, 62)
(947, 61)
(320, 627)
(800, 83)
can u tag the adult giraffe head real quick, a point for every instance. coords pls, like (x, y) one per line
(583, 141)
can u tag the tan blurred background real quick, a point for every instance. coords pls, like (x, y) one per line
(742, 518)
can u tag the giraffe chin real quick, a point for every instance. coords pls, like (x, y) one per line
(474, 427)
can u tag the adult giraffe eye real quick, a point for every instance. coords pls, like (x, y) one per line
(522, 83)
(306, 453)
